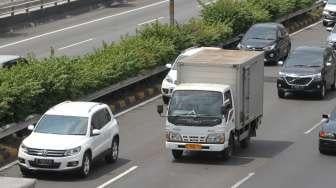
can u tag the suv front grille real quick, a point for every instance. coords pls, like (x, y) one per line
(50, 166)
(298, 81)
(45, 153)
(194, 139)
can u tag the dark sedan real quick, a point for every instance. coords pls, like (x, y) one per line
(327, 134)
(308, 70)
(272, 38)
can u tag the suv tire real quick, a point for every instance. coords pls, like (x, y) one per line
(86, 165)
(113, 153)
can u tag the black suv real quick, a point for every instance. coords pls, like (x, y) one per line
(308, 69)
(272, 38)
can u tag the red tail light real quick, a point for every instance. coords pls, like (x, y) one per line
(322, 134)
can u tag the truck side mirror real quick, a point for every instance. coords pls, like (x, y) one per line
(325, 116)
(30, 127)
(160, 109)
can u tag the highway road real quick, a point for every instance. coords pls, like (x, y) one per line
(80, 34)
(284, 154)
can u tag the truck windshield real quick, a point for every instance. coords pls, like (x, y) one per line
(195, 108)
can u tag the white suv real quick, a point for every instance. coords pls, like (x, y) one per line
(169, 83)
(68, 137)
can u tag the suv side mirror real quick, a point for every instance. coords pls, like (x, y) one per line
(160, 109)
(280, 63)
(169, 66)
(328, 64)
(96, 132)
(325, 116)
(30, 127)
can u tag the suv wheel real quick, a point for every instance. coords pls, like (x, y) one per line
(227, 152)
(86, 165)
(113, 154)
(322, 92)
(177, 154)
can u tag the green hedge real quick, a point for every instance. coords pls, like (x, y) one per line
(33, 88)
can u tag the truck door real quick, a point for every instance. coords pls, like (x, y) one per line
(246, 93)
(229, 113)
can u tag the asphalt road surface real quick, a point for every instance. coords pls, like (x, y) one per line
(80, 34)
(284, 154)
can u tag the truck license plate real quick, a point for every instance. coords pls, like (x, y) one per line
(193, 146)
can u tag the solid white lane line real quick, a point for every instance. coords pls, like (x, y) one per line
(310, 26)
(243, 180)
(9, 165)
(118, 177)
(137, 106)
(75, 44)
(314, 127)
(150, 21)
(83, 24)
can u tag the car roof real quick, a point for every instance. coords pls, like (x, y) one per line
(267, 24)
(78, 108)
(202, 86)
(6, 58)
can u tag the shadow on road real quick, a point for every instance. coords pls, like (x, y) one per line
(100, 168)
(257, 149)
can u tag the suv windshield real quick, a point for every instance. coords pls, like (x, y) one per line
(63, 125)
(261, 32)
(203, 107)
(305, 58)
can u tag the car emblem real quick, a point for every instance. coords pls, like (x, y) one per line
(293, 80)
(44, 153)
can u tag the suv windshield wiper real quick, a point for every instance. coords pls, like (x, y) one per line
(314, 65)
(299, 65)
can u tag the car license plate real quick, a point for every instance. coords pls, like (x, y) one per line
(193, 146)
(44, 161)
(298, 87)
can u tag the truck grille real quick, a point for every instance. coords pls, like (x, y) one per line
(194, 139)
(45, 153)
(298, 81)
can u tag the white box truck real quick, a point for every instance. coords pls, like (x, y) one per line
(218, 102)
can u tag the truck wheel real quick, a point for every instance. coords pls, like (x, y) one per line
(177, 154)
(281, 94)
(112, 156)
(165, 100)
(227, 153)
(86, 165)
(245, 142)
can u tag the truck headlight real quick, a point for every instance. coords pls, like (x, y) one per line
(174, 137)
(73, 151)
(216, 138)
(269, 47)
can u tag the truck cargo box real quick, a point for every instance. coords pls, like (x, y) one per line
(242, 70)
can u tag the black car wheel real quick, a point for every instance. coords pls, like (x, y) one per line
(177, 154)
(322, 92)
(281, 94)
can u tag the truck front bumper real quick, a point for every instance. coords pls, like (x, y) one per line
(204, 147)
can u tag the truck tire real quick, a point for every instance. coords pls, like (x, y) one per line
(165, 100)
(227, 153)
(177, 154)
(245, 142)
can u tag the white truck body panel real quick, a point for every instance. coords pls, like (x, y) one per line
(243, 71)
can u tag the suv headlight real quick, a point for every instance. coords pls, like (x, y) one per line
(216, 138)
(173, 137)
(269, 47)
(73, 151)
(24, 148)
(317, 76)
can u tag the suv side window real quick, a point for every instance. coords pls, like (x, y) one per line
(100, 119)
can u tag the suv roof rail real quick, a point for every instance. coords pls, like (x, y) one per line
(60, 104)
(94, 106)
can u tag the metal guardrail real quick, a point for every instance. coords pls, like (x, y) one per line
(29, 6)
(15, 127)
